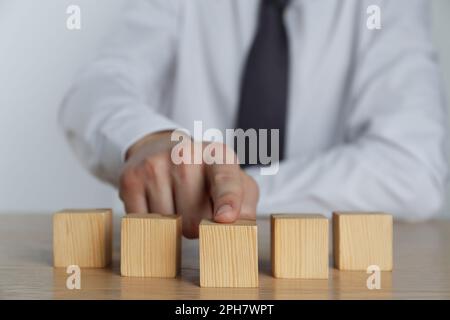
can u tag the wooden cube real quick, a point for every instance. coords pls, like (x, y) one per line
(299, 244)
(362, 239)
(150, 245)
(228, 254)
(82, 237)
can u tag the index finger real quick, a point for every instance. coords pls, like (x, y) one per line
(225, 187)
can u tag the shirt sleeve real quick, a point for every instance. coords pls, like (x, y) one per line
(394, 158)
(114, 100)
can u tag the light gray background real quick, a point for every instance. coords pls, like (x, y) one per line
(38, 58)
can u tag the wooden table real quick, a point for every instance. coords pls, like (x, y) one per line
(422, 269)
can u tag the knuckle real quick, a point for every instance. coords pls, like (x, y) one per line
(231, 195)
(223, 178)
(182, 172)
(228, 194)
(129, 181)
(149, 167)
(154, 167)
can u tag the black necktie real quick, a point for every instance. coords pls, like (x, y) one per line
(264, 86)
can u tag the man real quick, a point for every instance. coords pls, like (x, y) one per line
(360, 112)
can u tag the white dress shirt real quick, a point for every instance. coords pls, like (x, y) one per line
(366, 116)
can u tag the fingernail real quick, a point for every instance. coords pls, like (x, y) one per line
(224, 209)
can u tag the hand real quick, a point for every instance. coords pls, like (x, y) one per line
(152, 183)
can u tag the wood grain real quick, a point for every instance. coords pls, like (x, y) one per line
(150, 245)
(228, 254)
(362, 239)
(299, 246)
(422, 269)
(82, 237)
